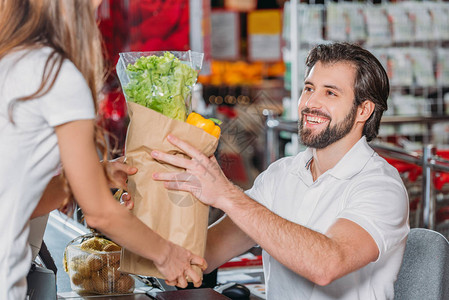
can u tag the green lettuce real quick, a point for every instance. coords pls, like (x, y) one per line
(162, 83)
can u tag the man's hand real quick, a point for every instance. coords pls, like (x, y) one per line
(117, 172)
(203, 177)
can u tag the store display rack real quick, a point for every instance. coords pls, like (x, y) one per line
(410, 39)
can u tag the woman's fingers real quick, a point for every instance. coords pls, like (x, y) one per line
(189, 274)
(120, 159)
(125, 199)
(117, 172)
(127, 169)
(192, 276)
(182, 281)
(171, 282)
(118, 165)
(198, 261)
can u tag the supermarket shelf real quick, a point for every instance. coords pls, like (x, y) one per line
(292, 126)
(413, 119)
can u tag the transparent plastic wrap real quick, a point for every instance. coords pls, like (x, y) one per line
(157, 88)
(92, 263)
(161, 80)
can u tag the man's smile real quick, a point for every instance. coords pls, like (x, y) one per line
(312, 120)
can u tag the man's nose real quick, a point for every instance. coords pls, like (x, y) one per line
(313, 101)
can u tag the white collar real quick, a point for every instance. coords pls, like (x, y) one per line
(349, 165)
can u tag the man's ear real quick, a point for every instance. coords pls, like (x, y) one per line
(365, 110)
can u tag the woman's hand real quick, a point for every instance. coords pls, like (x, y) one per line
(177, 266)
(203, 177)
(117, 172)
(126, 200)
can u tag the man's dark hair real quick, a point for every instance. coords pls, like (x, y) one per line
(371, 80)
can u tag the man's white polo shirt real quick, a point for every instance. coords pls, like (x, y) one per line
(363, 188)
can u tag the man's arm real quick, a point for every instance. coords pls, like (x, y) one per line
(225, 241)
(321, 258)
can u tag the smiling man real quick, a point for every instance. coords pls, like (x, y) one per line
(332, 220)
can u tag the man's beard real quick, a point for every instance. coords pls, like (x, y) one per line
(330, 134)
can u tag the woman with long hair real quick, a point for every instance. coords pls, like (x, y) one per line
(51, 72)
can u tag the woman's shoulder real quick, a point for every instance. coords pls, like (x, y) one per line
(22, 66)
(29, 56)
(35, 58)
(69, 76)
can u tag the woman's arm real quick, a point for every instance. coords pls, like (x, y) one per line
(90, 188)
(55, 194)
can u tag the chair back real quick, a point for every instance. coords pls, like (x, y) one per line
(424, 272)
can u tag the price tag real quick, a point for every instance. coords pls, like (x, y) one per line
(264, 35)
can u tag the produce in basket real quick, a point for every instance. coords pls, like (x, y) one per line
(93, 266)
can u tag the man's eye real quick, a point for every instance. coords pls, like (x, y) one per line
(307, 89)
(330, 93)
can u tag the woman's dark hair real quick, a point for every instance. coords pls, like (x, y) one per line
(371, 80)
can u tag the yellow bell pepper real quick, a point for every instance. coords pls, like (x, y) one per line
(207, 125)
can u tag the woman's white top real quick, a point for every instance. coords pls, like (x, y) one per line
(29, 153)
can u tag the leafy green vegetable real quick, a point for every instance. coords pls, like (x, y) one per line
(162, 83)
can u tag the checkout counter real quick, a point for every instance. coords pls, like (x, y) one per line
(61, 230)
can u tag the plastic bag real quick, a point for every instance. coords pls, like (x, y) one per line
(162, 80)
(92, 263)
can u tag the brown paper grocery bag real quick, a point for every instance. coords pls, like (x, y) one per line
(176, 216)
